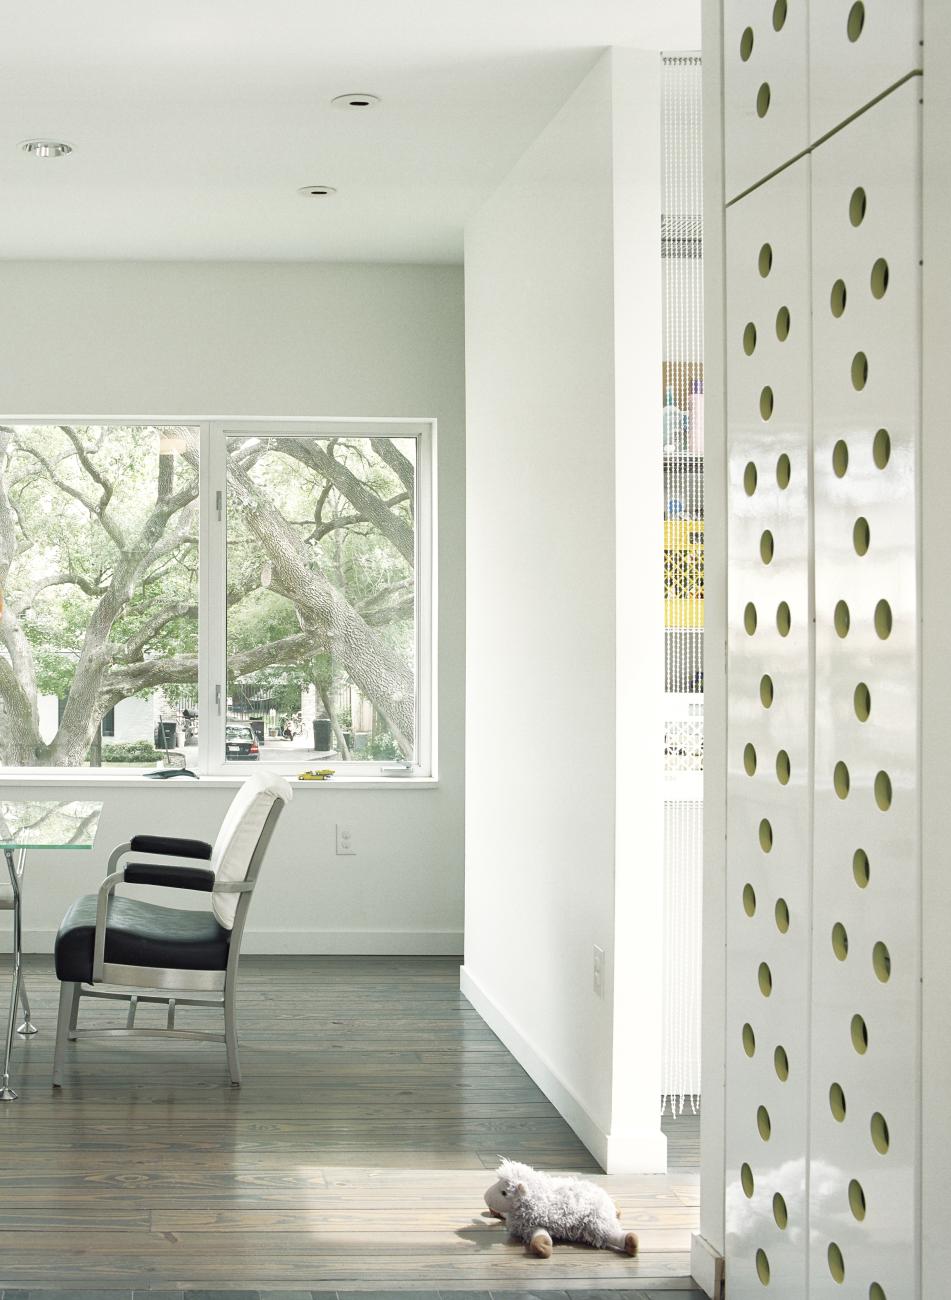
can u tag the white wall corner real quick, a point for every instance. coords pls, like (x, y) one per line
(706, 1266)
(634, 1152)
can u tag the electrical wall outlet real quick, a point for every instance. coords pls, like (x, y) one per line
(345, 847)
(597, 981)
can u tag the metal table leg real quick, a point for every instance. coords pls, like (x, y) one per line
(6, 1092)
(28, 1027)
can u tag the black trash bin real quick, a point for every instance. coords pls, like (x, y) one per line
(257, 726)
(323, 735)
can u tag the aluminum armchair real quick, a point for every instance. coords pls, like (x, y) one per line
(113, 947)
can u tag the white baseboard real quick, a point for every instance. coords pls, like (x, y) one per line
(639, 1152)
(299, 943)
(706, 1266)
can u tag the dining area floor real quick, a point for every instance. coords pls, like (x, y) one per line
(374, 1106)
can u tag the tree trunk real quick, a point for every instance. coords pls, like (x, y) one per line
(372, 666)
(335, 724)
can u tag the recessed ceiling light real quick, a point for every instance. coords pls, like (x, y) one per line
(46, 148)
(316, 191)
(356, 101)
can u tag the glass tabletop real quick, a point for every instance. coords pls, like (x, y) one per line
(48, 824)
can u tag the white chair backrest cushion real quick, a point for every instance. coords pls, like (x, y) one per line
(239, 834)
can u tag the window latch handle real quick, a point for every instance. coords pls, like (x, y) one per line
(218, 698)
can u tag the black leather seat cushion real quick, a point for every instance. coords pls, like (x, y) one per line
(140, 934)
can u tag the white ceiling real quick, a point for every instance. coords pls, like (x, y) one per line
(195, 123)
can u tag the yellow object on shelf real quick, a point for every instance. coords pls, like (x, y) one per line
(683, 573)
(322, 774)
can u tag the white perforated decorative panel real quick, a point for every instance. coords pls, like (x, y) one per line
(823, 293)
(765, 67)
(768, 905)
(867, 307)
(857, 50)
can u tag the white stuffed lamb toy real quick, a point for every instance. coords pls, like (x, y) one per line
(539, 1209)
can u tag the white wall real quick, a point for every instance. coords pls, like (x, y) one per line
(563, 825)
(195, 339)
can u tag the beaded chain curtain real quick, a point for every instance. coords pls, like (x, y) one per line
(682, 262)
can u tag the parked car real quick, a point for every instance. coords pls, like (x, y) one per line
(241, 742)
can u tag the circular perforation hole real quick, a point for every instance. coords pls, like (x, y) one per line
(858, 204)
(783, 767)
(879, 278)
(764, 977)
(855, 21)
(765, 835)
(856, 1200)
(749, 1040)
(842, 619)
(876, 1292)
(749, 479)
(766, 691)
(841, 781)
(763, 96)
(881, 448)
(749, 339)
(764, 262)
(746, 44)
(781, 1064)
(780, 1213)
(836, 1262)
(861, 535)
(840, 941)
(838, 298)
(749, 618)
(749, 899)
(782, 324)
(861, 869)
(880, 1135)
(840, 458)
(859, 371)
(783, 472)
(746, 1180)
(767, 547)
(766, 402)
(859, 1033)
(883, 620)
(783, 619)
(763, 1123)
(837, 1102)
(883, 790)
(781, 913)
(749, 759)
(762, 1266)
(862, 702)
(882, 962)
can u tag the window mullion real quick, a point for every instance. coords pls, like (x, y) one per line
(213, 586)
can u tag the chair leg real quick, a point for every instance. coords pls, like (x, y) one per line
(68, 1004)
(231, 1034)
(28, 1026)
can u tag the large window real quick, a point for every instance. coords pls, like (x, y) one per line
(216, 595)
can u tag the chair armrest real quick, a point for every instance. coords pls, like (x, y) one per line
(106, 890)
(163, 873)
(171, 846)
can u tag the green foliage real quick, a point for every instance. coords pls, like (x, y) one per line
(129, 751)
(383, 748)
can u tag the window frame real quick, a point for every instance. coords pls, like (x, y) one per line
(212, 587)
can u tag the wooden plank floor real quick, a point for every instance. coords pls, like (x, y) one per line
(354, 1157)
